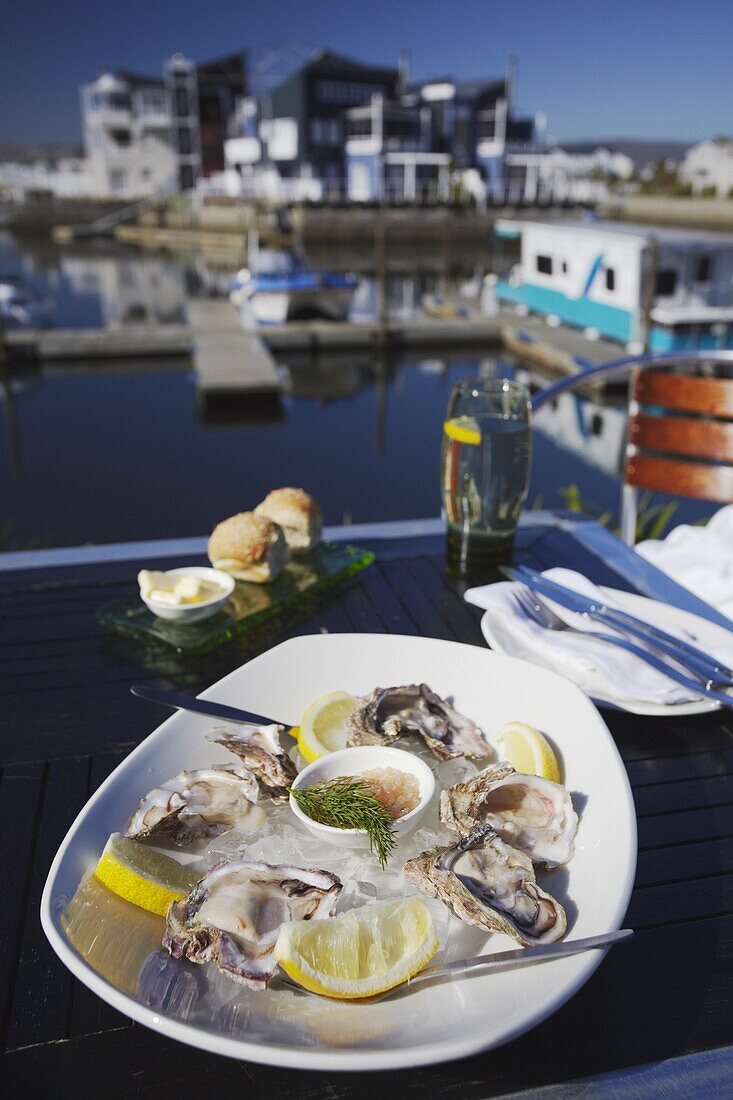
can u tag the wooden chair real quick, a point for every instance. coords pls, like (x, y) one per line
(680, 440)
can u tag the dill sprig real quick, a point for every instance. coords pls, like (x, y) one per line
(349, 803)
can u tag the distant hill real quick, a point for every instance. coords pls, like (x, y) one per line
(22, 152)
(641, 152)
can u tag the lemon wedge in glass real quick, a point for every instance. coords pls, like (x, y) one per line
(528, 751)
(323, 727)
(141, 875)
(359, 953)
(463, 429)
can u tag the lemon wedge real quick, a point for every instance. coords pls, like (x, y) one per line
(141, 875)
(359, 953)
(323, 726)
(464, 429)
(528, 751)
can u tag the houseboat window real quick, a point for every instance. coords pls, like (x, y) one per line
(702, 269)
(544, 265)
(565, 267)
(666, 282)
(610, 279)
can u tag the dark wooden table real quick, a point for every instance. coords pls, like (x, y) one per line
(68, 718)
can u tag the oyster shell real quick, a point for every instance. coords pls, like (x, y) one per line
(233, 915)
(414, 708)
(259, 749)
(491, 885)
(527, 811)
(199, 804)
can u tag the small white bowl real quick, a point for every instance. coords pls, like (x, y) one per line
(194, 612)
(354, 761)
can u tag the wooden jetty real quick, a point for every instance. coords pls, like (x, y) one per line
(559, 350)
(230, 361)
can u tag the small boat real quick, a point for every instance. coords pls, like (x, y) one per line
(666, 289)
(277, 287)
(21, 306)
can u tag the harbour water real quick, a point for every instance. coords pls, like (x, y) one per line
(118, 451)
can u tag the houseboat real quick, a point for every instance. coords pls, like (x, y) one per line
(277, 287)
(643, 286)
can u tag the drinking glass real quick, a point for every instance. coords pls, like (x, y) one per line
(484, 471)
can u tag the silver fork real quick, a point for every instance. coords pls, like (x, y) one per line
(481, 964)
(543, 616)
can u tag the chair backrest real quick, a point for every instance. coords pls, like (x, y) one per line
(681, 435)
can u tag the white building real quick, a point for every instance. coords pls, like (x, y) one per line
(127, 135)
(65, 178)
(709, 164)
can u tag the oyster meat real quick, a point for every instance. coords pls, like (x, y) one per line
(414, 708)
(527, 811)
(199, 804)
(259, 749)
(233, 915)
(491, 885)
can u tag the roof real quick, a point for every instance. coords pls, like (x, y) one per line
(139, 80)
(659, 233)
(465, 89)
(328, 59)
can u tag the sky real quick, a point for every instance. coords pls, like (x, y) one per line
(647, 69)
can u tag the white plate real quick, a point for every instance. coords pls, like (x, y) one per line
(708, 635)
(433, 1024)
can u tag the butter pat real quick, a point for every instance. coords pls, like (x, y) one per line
(174, 591)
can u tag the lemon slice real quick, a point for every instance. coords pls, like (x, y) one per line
(360, 953)
(464, 429)
(141, 875)
(323, 726)
(528, 751)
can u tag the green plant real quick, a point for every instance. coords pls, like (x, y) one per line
(652, 519)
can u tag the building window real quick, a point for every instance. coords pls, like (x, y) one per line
(610, 279)
(117, 180)
(666, 283)
(565, 267)
(325, 131)
(544, 265)
(184, 140)
(120, 137)
(702, 269)
(344, 93)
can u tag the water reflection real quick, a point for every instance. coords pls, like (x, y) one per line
(130, 444)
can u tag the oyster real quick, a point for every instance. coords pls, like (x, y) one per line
(233, 915)
(487, 883)
(531, 813)
(199, 804)
(259, 749)
(389, 712)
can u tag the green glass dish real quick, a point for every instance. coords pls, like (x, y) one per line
(251, 606)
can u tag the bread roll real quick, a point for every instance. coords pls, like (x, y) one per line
(298, 515)
(250, 547)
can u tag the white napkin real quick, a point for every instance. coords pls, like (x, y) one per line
(595, 666)
(700, 558)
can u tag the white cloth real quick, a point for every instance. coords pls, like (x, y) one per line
(700, 558)
(595, 666)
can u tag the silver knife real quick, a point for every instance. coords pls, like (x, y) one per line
(202, 706)
(502, 960)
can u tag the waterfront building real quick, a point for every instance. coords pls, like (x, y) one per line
(389, 153)
(295, 134)
(146, 135)
(126, 121)
(708, 168)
